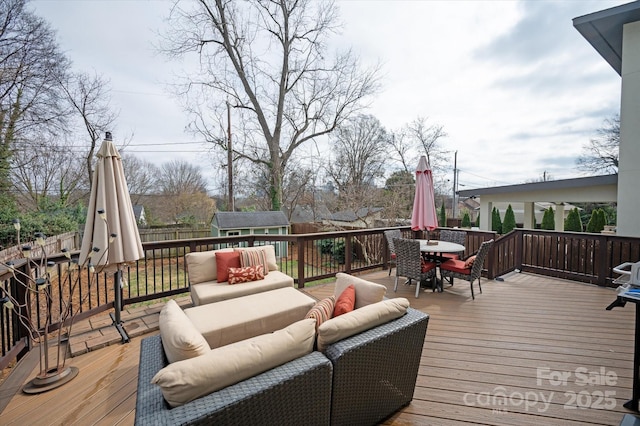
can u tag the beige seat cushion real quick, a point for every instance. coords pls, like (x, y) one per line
(180, 339)
(359, 320)
(213, 291)
(269, 251)
(366, 291)
(237, 319)
(201, 266)
(185, 381)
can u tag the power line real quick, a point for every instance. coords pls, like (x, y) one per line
(44, 145)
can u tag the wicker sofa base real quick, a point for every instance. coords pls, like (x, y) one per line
(360, 380)
(296, 393)
(375, 372)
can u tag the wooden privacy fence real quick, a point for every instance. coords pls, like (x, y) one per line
(52, 245)
(167, 234)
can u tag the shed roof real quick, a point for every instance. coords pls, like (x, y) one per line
(236, 220)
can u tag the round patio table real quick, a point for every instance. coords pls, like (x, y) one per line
(435, 248)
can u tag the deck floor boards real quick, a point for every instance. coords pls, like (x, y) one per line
(480, 362)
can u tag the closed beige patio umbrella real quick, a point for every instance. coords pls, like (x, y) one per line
(111, 235)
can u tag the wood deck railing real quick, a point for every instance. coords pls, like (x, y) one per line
(312, 257)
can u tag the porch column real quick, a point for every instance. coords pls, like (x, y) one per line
(529, 215)
(629, 154)
(485, 215)
(559, 216)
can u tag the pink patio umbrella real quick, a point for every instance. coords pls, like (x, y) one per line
(111, 234)
(424, 215)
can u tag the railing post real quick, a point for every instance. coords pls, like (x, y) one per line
(491, 273)
(602, 261)
(348, 252)
(23, 296)
(519, 249)
(301, 268)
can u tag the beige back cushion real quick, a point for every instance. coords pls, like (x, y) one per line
(201, 266)
(269, 251)
(180, 338)
(185, 381)
(366, 291)
(359, 320)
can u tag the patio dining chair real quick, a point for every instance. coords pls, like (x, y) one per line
(458, 237)
(389, 236)
(469, 269)
(410, 264)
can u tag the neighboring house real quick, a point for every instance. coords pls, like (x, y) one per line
(366, 217)
(138, 211)
(362, 218)
(519, 207)
(251, 223)
(308, 214)
(557, 193)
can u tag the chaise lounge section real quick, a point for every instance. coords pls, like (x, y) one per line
(207, 287)
(295, 393)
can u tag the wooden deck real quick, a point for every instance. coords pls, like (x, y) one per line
(485, 361)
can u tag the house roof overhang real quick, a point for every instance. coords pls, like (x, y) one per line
(603, 30)
(587, 189)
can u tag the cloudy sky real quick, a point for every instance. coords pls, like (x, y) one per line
(517, 89)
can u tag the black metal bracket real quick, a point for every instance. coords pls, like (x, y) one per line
(619, 302)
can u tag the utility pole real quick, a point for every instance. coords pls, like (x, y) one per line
(230, 159)
(455, 184)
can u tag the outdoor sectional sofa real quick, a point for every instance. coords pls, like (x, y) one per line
(361, 378)
(203, 277)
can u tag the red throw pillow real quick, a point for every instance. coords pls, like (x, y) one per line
(246, 274)
(346, 301)
(224, 261)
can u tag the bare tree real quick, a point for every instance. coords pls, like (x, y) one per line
(88, 96)
(601, 154)
(31, 65)
(184, 193)
(140, 175)
(298, 188)
(269, 59)
(427, 139)
(49, 172)
(359, 156)
(399, 193)
(400, 144)
(180, 176)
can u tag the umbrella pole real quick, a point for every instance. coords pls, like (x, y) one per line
(117, 305)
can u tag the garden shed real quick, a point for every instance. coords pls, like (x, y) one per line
(249, 223)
